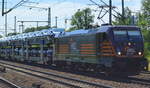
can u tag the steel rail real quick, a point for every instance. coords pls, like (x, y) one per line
(64, 77)
(42, 77)
(9, 83)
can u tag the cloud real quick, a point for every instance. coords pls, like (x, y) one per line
(128, 0)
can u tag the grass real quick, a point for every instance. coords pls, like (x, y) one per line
(149, 63)
(149, 66)
(148, 57)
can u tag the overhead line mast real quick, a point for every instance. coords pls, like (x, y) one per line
(110, 12)
(2, 7)
(123, 12)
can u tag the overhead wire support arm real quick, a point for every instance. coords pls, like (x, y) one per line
(32, 21)
(112, 9)
(102, 15)
(17, 5)
(100, 10)
(103, 8)
(35, 7)
(43, 8)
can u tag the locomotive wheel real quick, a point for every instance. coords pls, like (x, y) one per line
(109, 72)
(49, 62)
(75, 67)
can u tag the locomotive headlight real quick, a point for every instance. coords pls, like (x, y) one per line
(119, 53)
(140, 53)
(129, 44)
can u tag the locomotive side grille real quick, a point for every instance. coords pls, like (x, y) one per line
(90, 45)
(63, 49)
(87, 49)
(84, 47)
(107, 49)
(87, 52)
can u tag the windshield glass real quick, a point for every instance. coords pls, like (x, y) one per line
(124, 34)
(120, 34)
(134, 33)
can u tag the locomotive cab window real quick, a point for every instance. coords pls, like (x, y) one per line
(120, 34)
(134, 34)
(126, 34)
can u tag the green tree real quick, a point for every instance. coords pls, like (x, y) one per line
(126, 20)
(1, 36)
(11, 34)
(146, 12)
(142, 22)
(82, 19)
(146, 7)
(32, 29)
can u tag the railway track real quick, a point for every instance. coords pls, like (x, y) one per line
(146, 72)
(57, 78)
(7, 84)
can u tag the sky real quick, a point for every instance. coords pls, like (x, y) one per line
(63, 9)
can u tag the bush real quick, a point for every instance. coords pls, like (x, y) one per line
(146, 35)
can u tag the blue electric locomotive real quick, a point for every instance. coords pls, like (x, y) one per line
(108, 48)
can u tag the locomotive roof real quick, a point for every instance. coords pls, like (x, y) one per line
(96, 30)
